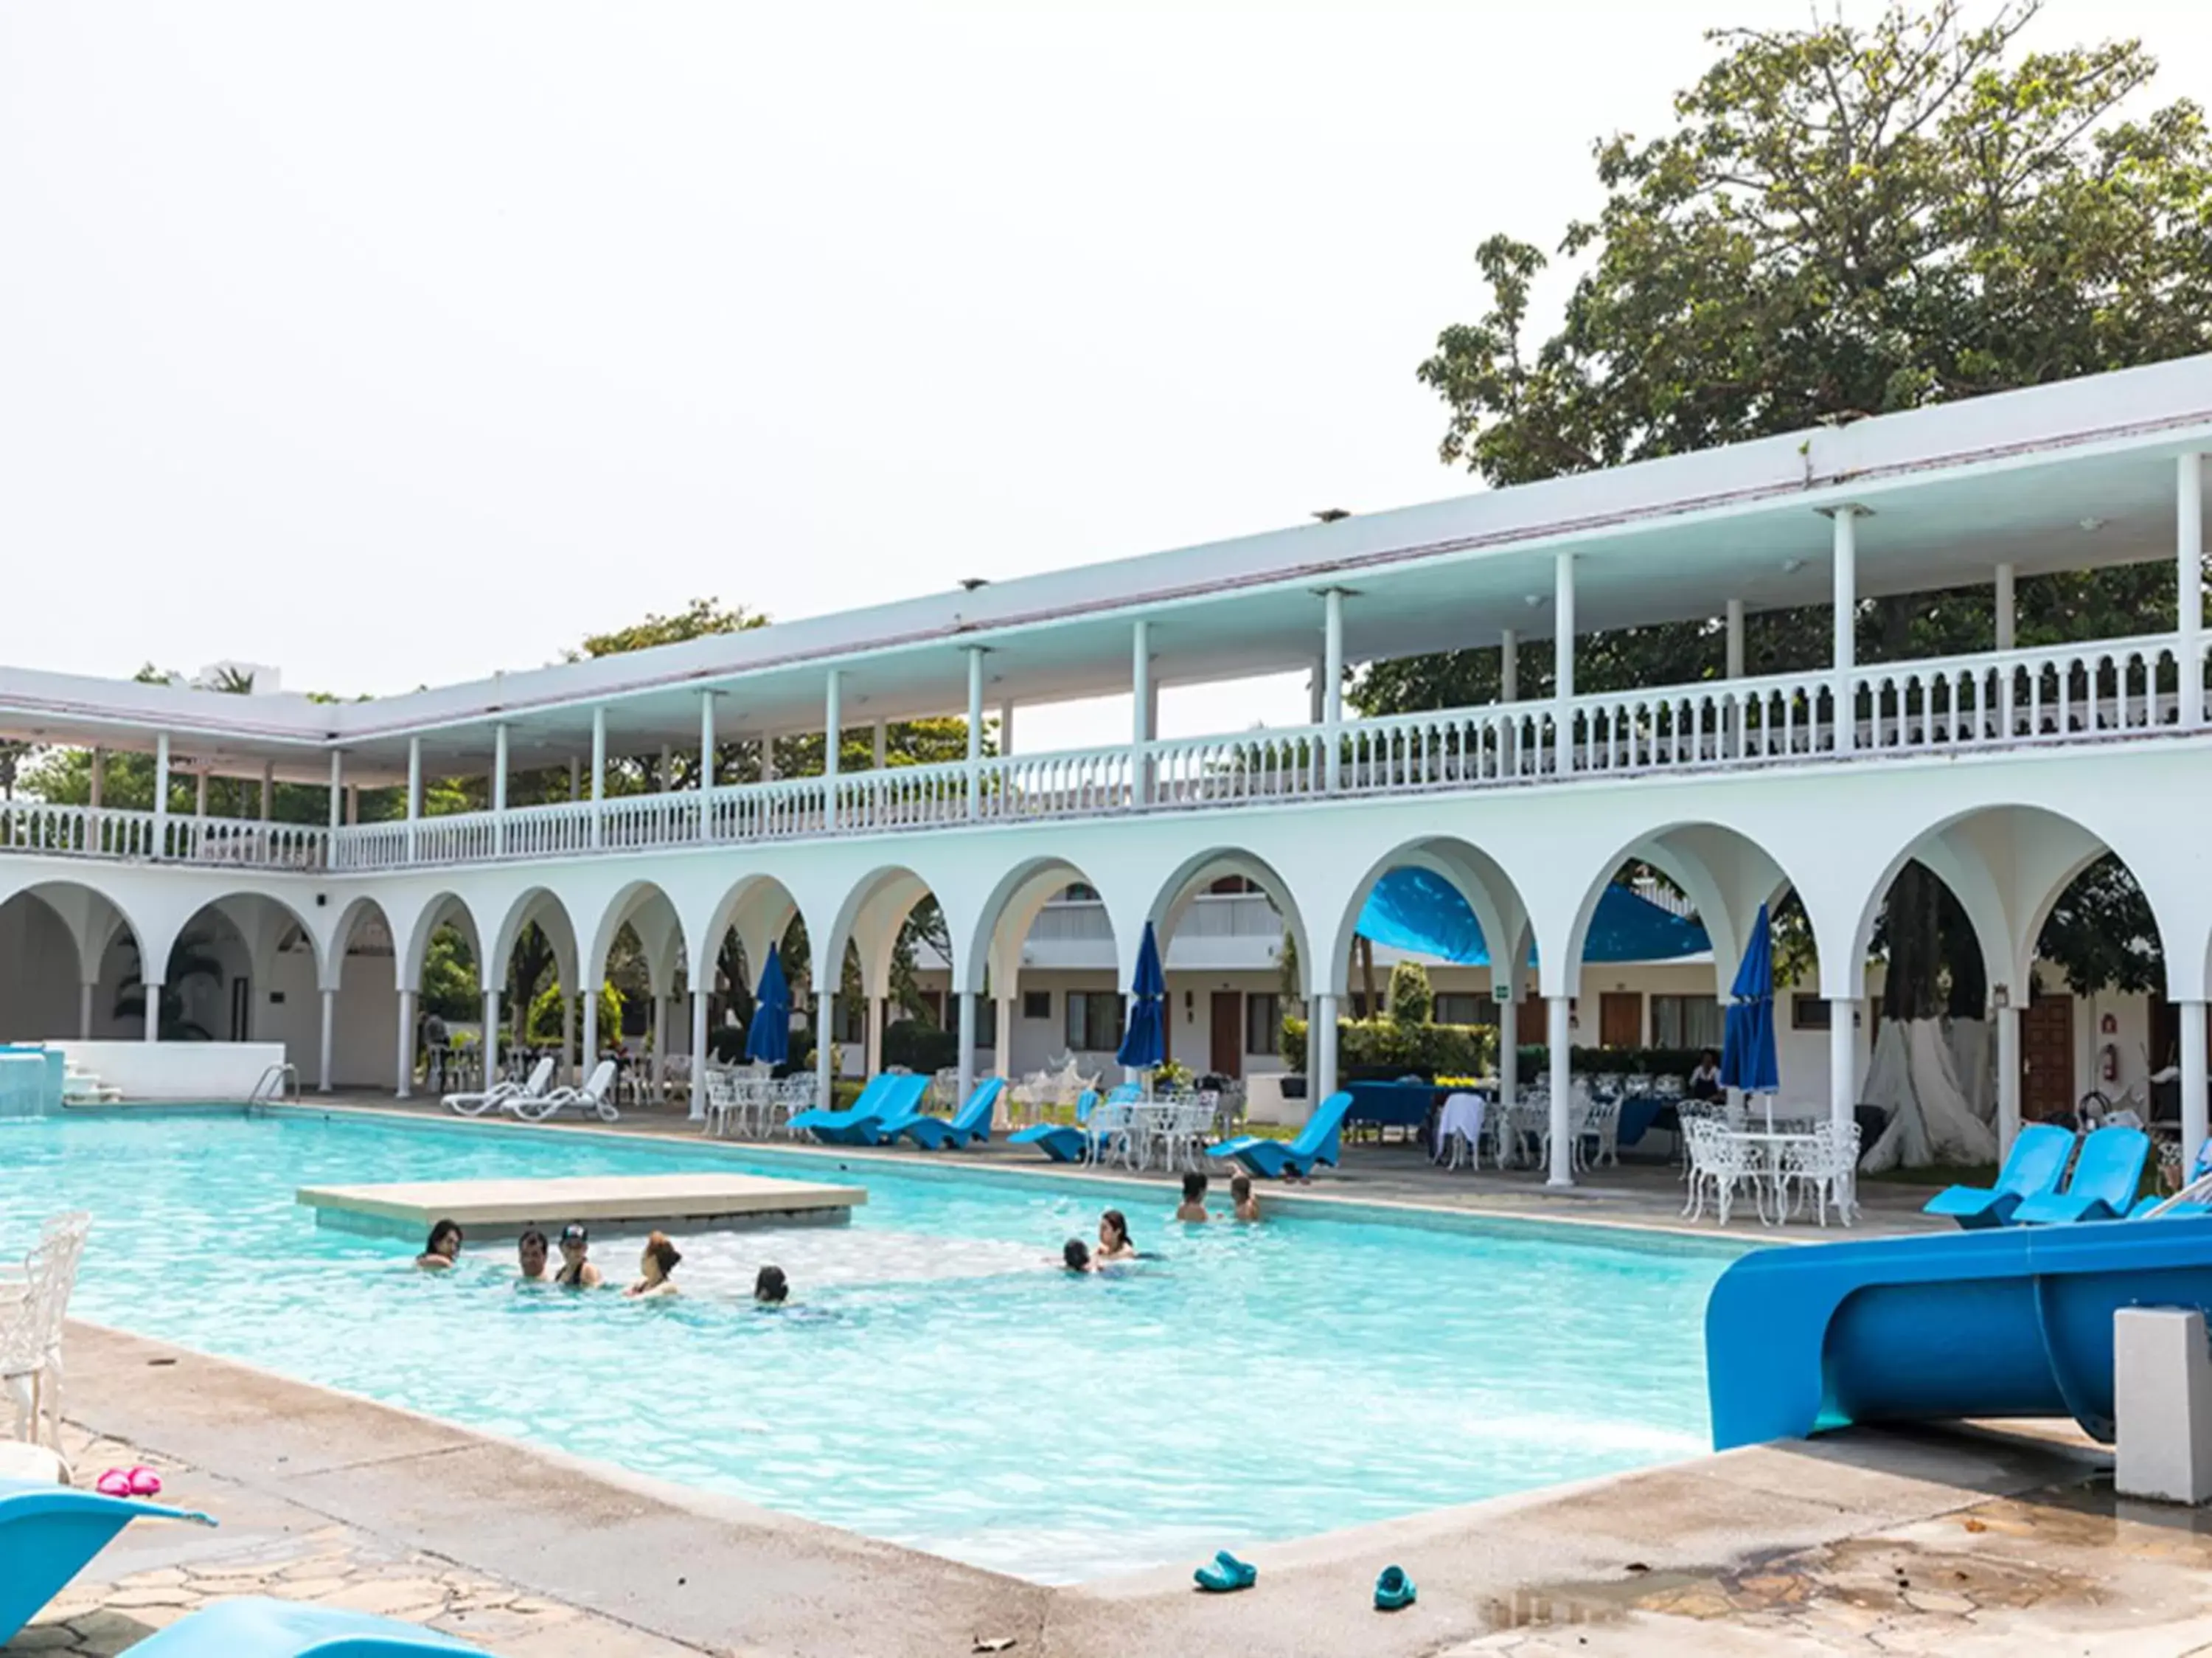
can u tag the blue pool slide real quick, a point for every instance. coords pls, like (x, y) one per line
(2010, 1321)
(49, 1533)
(255, 1628)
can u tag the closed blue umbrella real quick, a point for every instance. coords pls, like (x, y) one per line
(767, 1038)
(1749, 1060)
(1144, 1045)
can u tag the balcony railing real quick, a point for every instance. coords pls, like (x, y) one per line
(2084, 693)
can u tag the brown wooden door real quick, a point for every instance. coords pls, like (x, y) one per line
(1620, 1018)
(1228, 1033)
(2046, 1060)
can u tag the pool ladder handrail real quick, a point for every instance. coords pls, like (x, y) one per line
(277, 1084)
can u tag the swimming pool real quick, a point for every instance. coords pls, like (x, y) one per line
(946, 1386)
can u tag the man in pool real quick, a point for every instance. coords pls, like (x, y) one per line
(1193, 1207)
(529, 1254)
(443, 1249)
(771, 1288)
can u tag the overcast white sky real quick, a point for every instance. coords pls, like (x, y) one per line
(395, 342)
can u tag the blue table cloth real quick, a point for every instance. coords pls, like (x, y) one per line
(1392, 1105)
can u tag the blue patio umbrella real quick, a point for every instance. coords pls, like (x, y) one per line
(767, 1038)
(1748, 1061)
(1145, 1044)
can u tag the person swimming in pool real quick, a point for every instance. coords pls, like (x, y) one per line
(1243, 1194)
(1193, 1207)
(654, 1264)
(530, 1256)
(576, 1270)
(771, 1287)
(1075, 1255)
(1114, 1243)
(443, 1249)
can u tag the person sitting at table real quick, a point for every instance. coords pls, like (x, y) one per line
(1193, 1207)
(1705, 1082)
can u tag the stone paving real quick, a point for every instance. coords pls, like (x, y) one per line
(107, 1610)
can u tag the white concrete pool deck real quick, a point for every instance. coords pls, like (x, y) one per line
(505, 1208)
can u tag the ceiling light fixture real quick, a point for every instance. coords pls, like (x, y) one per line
(1791, 566)
(2093, 525)
(1532, 600)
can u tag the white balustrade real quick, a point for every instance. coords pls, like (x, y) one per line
(560, 830)
(457, 837)
(75, 831)
(370, 846)
(1450, 748)
(1081, 784)
(903, 797)
(1263, 765)
(784, 810)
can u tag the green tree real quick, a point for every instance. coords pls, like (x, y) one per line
(1844, 221)
(1412, 1001)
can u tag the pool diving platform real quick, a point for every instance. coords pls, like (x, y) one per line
(613, 1202)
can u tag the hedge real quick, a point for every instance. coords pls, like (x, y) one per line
(1380, 1048)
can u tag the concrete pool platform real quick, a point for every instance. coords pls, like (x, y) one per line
(632, 1203)
(1954, 1541)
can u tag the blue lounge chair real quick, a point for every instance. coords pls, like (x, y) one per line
(2107, 1177)
(253, 1627)
(1076, 1144)
(1316, 1144)
(971, 1122)
(888, 1095)
(49, 1533)
(2037, 1163)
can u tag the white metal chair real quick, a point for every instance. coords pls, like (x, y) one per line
(1112, 1131)
(1720, 1162)
(34, 1310)
(1822, 1167)
(722, 1101)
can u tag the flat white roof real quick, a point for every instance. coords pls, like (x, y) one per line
(2018, 478)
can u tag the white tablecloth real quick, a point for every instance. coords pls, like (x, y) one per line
(1461, 1115)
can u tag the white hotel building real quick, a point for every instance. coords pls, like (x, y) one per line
(2006, 773)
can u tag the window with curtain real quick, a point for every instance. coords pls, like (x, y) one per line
(1093, 1023)
(1686, 1022)
(1263, 1021)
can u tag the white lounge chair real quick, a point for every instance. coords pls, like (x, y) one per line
(597, 1094)
(475, 1105)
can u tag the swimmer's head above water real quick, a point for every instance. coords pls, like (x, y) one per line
(1075, 1255)
(770, 1287)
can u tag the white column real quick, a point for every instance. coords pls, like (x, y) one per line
(490, 1037)
(833, 731)
(406, 1044)
(98, 776)
(2007, 1078)
(1559, 1040)
(200, 793)
(665, 777)
(975, 738)
(825, 1024)
(598, 772)
(1843, 1062)
(329, 1023)
(878, 744)
(588, 1056)
(967, 1083)
(1140, 704)
(1321, 1051)
(1735, 639)
(1509, 666)
(2192, 1084)
(338, 788)
(659, 1042)
(706, 740)
(874, 1047)
(1005, 727)
(84, 1012)
(153, 993)
(499, 792)
(1315, 701)
(575, 778)
(414, 791)
(1332, 689)
(698, 1055)
(268, 790)
(2006, 634)
(353, 803)
(161, 795)
(1845, 609)
(1002, 1039)
(2188, 574)
(1508, 1048)
(767, 757)
(1563, 658)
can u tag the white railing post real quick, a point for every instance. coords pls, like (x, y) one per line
(406, 1064)
(414, 792)
(1141, 719)
(833, 734)
(161, 795)
(498, 798)
(598, 774)
(1845, 602)
(706, 740)
(974, 738)
(2188, 579)
(337, 791)
(1563, 671)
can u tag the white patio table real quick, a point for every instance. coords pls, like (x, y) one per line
(1770, 1152)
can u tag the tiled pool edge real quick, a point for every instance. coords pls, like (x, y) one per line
(718, 1572)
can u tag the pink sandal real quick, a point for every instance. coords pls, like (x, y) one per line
(145, 1482)
(116, 1482)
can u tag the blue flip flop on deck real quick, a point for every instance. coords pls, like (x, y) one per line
(1225, 1574)
(1393, 1590)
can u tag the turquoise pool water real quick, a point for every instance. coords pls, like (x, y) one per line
(946, 1386)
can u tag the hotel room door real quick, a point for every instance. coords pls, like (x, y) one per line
(1228, 1051)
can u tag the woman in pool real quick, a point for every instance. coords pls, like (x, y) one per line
(653, 1267)
(1114, 1243)
(443, 1249)
(576, 1270)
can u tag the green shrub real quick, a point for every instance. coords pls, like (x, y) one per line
(919, 1046)
(1412, 1001)
(1383, 1047)
(544, 1025)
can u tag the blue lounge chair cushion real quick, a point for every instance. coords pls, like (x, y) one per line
(253, 1627)
(2037, 1164)
(971, 1122)
(871, 1094)
(2106, 1176)
(49, 1533)
(1317, 1142)
(860, 1126)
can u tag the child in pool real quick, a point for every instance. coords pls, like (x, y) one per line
(1193, 1208)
